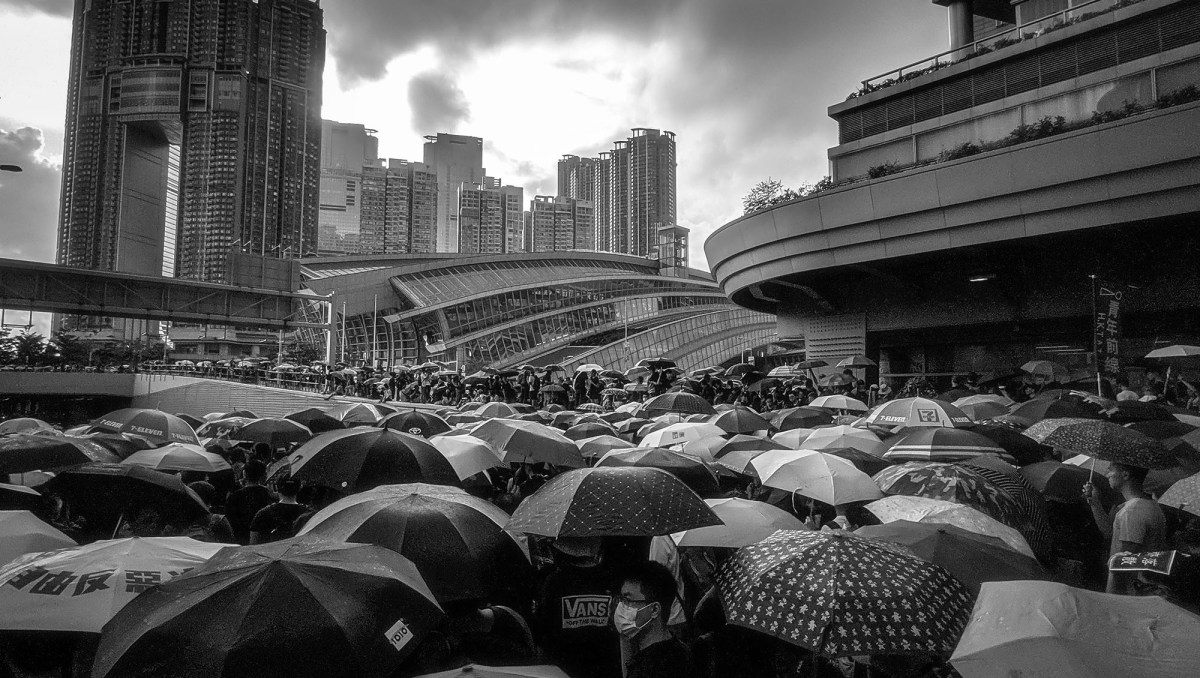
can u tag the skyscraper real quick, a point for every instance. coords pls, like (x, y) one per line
(458, 161)
(559, 223)
(193, 128)
(577, 177)
(650, 188)
(489, 218)
(349, 152)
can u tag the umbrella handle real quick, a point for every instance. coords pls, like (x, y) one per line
(117, 528)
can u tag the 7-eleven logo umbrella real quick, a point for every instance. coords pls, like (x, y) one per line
(918, 412)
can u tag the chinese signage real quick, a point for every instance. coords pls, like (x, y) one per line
(1151, 561)
(1107, 332)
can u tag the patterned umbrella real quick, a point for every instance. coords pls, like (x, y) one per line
(800, 417)
(1034, 523)
(591, 407)
(416, 422)
(924, 510)
(30, 452)
(839, 594)
(1184, 495)
(816, 475)
(693, 472)
(918, 412)
(527, 441)
(597, 502)
(276, 432)
(940, 444)
(746, 522)
(154, 424)
(1103, 440)
(740, 420)
(972, 558)
(950, 482)
(686, 403)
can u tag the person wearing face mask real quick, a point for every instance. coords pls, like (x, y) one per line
(647, 648)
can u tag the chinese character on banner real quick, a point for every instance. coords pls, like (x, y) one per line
(1159, 562)
(137, 581)
(1107, 327)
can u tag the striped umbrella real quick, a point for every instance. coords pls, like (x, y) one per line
(918, 412)
(939, 444)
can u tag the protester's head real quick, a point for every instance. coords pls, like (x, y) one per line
(644, 602)
(256, 471)
(1123, 476)
(262, 451)
(204, 490)
(289, 488)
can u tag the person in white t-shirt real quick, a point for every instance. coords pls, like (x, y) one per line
(1136, 526)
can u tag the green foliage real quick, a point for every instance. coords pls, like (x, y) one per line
(962, 150)
(29, 348)
(1046, 127)
(70, 349)
(883, 170)
(761, 195)
(1183, 95)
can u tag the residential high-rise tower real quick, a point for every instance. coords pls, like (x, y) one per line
(458, 162)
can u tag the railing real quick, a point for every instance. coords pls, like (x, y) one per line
(1012, 36)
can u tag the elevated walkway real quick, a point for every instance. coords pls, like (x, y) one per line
(190, 395)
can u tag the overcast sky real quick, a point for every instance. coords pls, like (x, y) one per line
(744, 84)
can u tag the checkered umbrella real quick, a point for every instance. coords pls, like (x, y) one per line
(1102, 440)
(597, 502)
(917, 412)
(839, 594)
(591, 407)
(950, 482)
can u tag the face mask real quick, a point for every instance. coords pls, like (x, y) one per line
(630, 620)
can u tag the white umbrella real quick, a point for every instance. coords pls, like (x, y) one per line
(590, 367)
(467, 454)
(839, 402)
(80, 588)
(816, 475)
(793, 438)
(178, 457)
(21, 532)
(683, 432)
(745, 522)
(528, 441)
(1176, 351)
(834, 437)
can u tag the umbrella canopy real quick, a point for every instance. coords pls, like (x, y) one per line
(982, 410)
(950, 482)
(1031, 628)
(980, 398)
(596, 502)
(1020, 447)
(684, 403)
(793, 439)
(1103, 440)
(800, 417)
(972, 558)
(693, 472)
(30, 452)
(1063, 483)
(23, 425)
(493, 410)
(105, 492)
(857, 361)
(590, 367)
(276, 432)
(918, 412)
(632, 425)
(656, 363)
(298, 607)
(153, 424)
(120, 444)
(924, 510)
(416, 422)
(1047, 369)
(845, 436)
(467, 454)
(360, 459)
(713, 447)
(816, 475)
(1183, 495)
(481, 671)
(178, 457)
(940, 444)
(1031, 412)
(22, 532)
(1175, 351)
(745, 522)
(193, 421)
(19, 498)
(457, 541)
(1126, 411)
(529, 442)
(739, 420)
(839, 402)
(1162, 430)
(740, 461)
(598, 446)
(360, 414)
(316, 419)
(683, 432)
(79, 588)
(787, 372)
(860, 596)
(589, 429)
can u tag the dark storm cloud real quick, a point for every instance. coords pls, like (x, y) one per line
(29, 198)
(51, 7)
(437, 103)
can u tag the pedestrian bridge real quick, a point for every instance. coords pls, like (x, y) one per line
(176, 394)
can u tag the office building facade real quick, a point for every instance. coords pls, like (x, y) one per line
(192, 129)
(458, 161)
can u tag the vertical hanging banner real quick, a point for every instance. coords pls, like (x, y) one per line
(1107, 324)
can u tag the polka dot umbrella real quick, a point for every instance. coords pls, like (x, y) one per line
(839, 594)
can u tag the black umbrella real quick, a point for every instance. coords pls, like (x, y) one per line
(681, 402)
(1162, 430)
(106, 492)
(294, 608)
(1031, 412)
(194, 422)
(1022, 448)
(800, 417)
(416, 422)
(19, 498)
(1126, 411)
(121, 444)
(457, 541)
(360, 459)
(31, 452)
(316, 419)
(740, 370)
(1103, 440)
(589, 429)
(693, 472)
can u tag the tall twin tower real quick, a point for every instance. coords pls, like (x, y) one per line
(193, 130)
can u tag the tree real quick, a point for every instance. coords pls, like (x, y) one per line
(71, 349)
(30, 348)
(762, 195)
